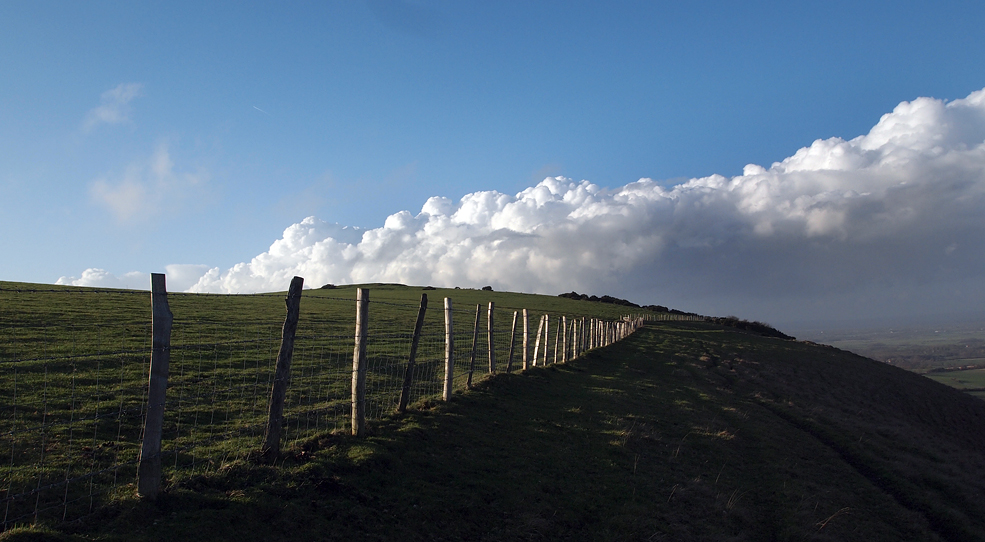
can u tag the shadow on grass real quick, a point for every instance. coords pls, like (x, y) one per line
(682, 432)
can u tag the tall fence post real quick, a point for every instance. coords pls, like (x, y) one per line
(449, 351)
(409, 373)
(149, 466)
(526, 337)
(509, 361)
(573, 340)
(270, 450)
(557, 338)
(540, 327)
(475, 344)
(564, 340)
(491, 340)
(547, 342)
(359, 363)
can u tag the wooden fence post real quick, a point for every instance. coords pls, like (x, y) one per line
(526, 336)
(573, 349)
(581, 336)
(270, 450)
(149, 466)
(449, 351)
(540, 327)
(547, 342)
(492, 343)
(475, 344)
(564, 341)
(359, 363)
(509, 360)
(557, 339)
(409, 374)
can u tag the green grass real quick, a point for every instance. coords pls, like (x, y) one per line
(684, 431)
(73, 373)
(969, 380)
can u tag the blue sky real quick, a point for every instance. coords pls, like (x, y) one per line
(140, 136)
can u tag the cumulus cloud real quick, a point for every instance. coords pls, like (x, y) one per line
(887, 223)
(180, 277)
(101, 278)
(888, 220)
(114, 107)
(146, 186)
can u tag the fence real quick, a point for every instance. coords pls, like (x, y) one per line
(78, 400)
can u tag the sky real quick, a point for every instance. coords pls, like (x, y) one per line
(779, 161)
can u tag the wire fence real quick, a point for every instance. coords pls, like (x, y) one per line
(74, 381)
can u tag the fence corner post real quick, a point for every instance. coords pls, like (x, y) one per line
(149, 465)
(270, 450)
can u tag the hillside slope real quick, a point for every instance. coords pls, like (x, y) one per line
(685, 431)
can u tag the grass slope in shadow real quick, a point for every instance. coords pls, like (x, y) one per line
(682, 432)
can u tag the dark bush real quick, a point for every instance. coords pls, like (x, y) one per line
(487, 288)
(755, 327)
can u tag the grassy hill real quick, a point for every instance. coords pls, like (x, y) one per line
(684, 431)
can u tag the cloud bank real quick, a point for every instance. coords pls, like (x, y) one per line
(890, 221)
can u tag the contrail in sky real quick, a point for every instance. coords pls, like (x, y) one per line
(261, 110)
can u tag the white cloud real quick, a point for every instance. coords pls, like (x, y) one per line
(146, 186)
(180, 277)
(114, 106)
(100, 278)
(886, 223)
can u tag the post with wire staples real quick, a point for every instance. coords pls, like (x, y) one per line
(359, 363)
(149, 466)
(270, 450)
(409, 374)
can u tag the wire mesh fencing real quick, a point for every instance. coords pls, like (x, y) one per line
(74, 380)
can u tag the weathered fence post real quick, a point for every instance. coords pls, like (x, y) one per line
(475, 344)
(509, 361)
(149, 467)
(270, 449)
(581, 336)
(564, 340)
(547, 342)
(449, 351)
(575, 337)
(409, 374)
(492, 343)
(526, 336)
(557, 339)
(359, 363)
(540, 327)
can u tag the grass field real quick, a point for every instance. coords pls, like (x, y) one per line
(685, 431)
(970, 380)
(73, 373)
